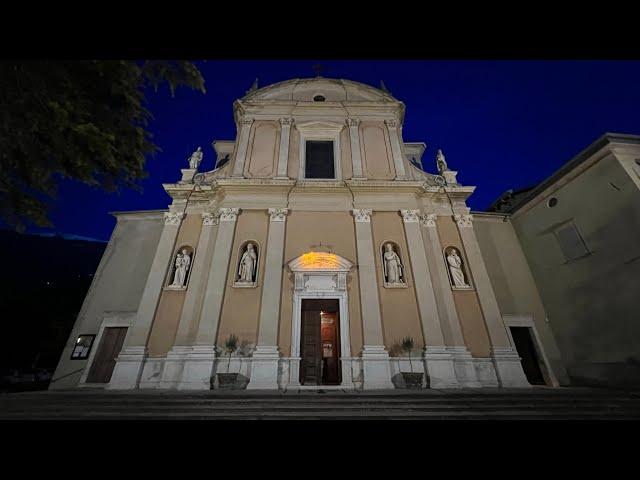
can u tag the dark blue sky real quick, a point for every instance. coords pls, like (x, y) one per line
(501, 124)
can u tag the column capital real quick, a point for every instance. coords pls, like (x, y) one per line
(391, 123)
(428, 219)
(228, 214)
(362, 215)
(286, 121)
(278, 214)
(210, 218)
(353, 122)
(173, 218)
(465, 220)
(410, 216)
(247, 121)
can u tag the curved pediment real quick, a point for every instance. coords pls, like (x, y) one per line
(320, 261)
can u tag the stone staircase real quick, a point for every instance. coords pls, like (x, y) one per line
(485, 404)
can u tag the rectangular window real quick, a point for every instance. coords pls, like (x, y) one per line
(319, 162)
(571, 243)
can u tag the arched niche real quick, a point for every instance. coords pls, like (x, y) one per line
(392, 266)
(456, 268)
(247, 264)
(180, 269)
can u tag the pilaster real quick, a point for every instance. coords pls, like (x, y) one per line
(505, 358)
(198, 366)
(440, 366)
(283, 156)
(130, 360)
(264, 369)
(452, 330)
(356, 157)
(243, 144)
(174, 363)
(375, 358)
(396, 151)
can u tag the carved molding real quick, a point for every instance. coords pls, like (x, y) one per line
(210, 219)
(353, 122)
(228, 214)
(172, 218)
(247, 121)
(362, 214)
(410, 216)
(278, 214)
(428, 219)
(286, 121)
(463, 220)
(391, 123)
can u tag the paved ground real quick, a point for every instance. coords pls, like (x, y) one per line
(475, 404)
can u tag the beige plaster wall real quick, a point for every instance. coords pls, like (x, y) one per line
(377, 158)
(334, 229)
(513, 283)
(165, 323)
(591, 302)
(263, 150)
(398, 306)
(116, 287)
(241, 306)
(472, 322)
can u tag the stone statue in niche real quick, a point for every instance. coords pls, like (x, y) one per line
(248, 264)
(455, 267)
(182, 264)
(392, 266)
(195, 159)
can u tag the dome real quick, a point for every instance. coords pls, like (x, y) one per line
(318, 89)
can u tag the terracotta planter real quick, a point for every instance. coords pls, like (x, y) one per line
(227, 380)
(412, 380)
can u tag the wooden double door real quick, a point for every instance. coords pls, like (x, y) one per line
(320, 343)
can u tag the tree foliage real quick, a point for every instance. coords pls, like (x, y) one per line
(84, 120)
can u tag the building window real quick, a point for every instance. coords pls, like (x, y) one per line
(82, 347)
(552, 202)
(318, 98)
(319, 161)
(571, 242)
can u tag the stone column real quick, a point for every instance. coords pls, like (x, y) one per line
(283, 156)
(505, 358)
(375, 358)
(463, 362)
(243, 144)
(396, 151)
(130, 360)
(174, 363)
(439, 362)
(264, 366)
(198, 366)
(356, 157)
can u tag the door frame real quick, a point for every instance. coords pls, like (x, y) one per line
(511, 320)
(324, 279)
(110, 320)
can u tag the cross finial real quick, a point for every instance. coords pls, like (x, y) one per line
(318, 69)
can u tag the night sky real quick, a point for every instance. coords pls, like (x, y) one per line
(501, 124)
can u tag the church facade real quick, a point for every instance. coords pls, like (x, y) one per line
(317, 253)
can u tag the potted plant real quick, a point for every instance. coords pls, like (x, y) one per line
(228, 380)
(411, 380)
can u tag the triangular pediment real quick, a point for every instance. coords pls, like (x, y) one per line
(319, 126)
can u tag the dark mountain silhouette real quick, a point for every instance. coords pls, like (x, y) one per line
(43, 283)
